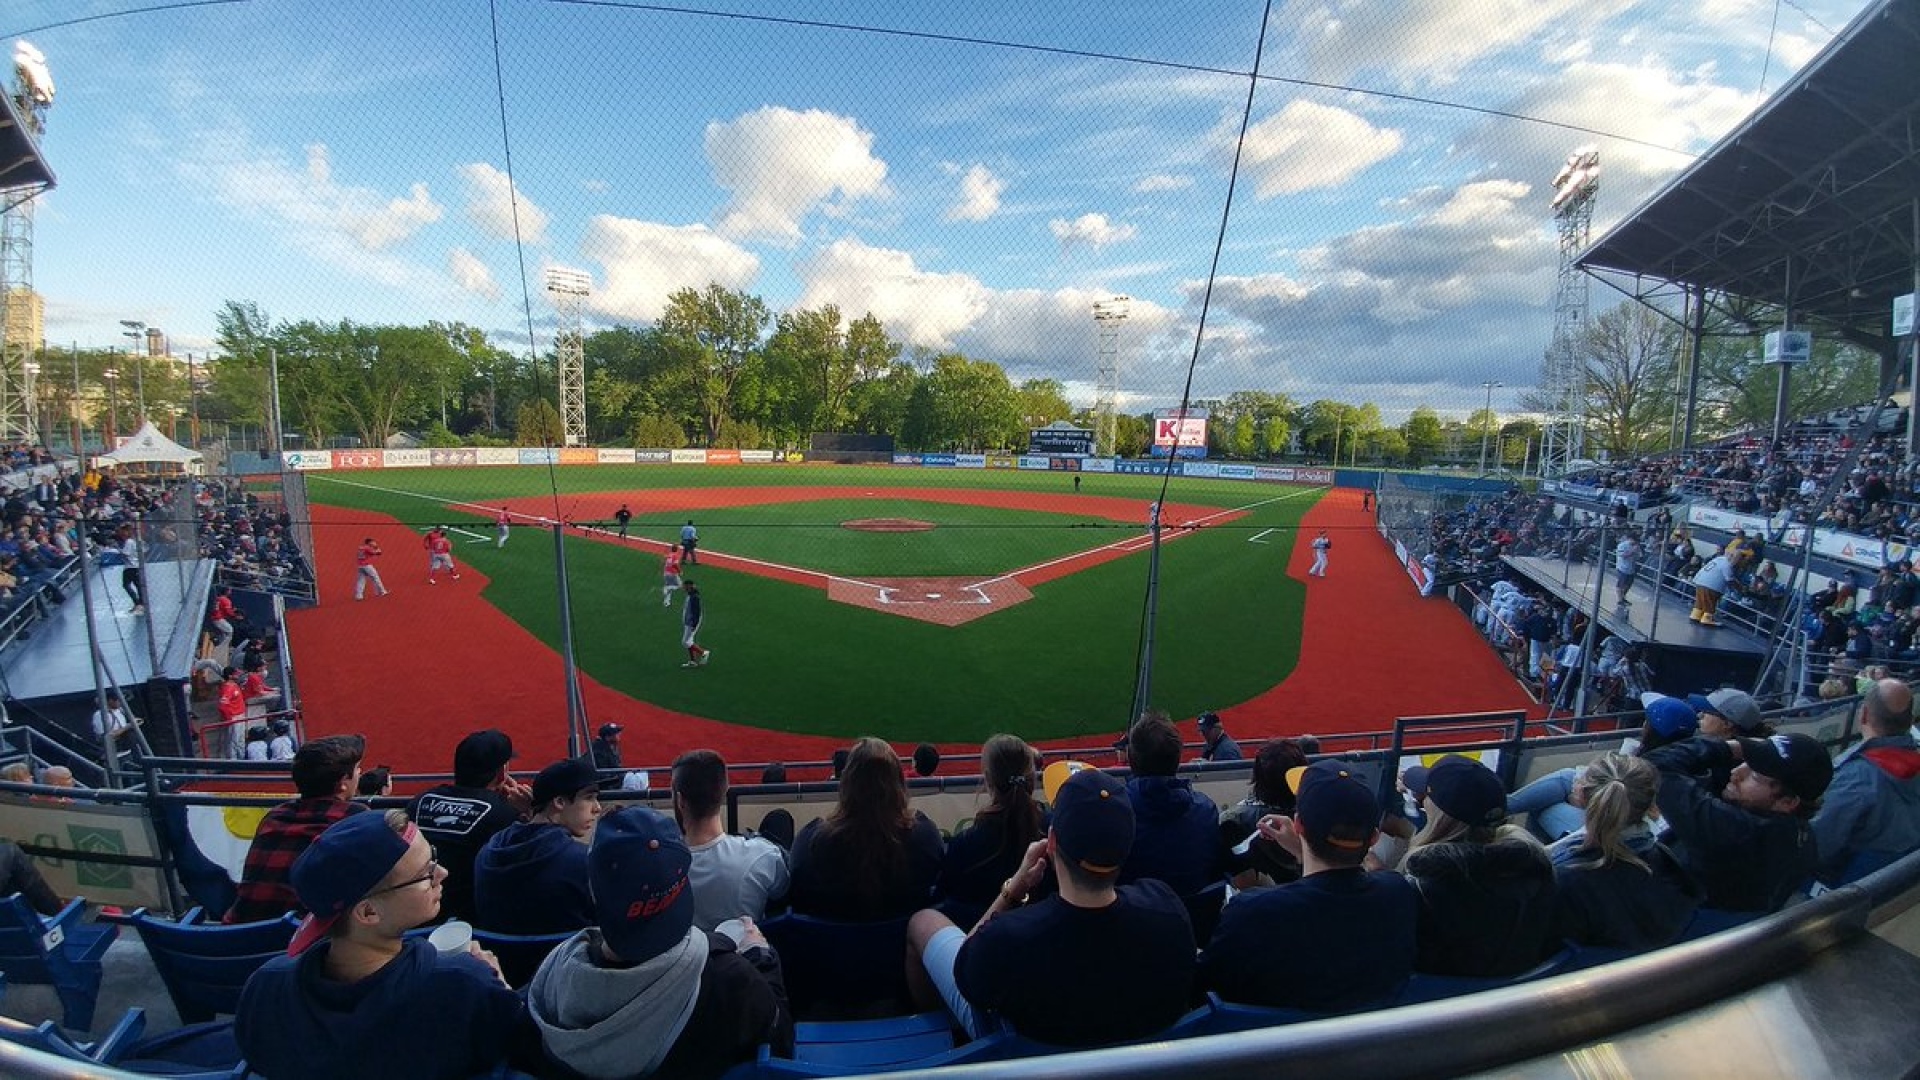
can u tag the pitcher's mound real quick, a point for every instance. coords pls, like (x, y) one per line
(948, 601)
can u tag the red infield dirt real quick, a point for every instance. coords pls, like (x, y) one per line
(1371, 647)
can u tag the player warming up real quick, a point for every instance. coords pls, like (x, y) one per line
(670, 577)
(439, 554)
(500, 526)
(690, 626)
(364, 571)
(621, 517)
(1321, 545)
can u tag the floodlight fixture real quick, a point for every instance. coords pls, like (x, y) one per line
(30, 64)
(1578, 177)
(1118, 307)
(569, 282)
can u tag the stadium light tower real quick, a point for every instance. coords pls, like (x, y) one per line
(1488, 430)
(23, 115)
(1564, 373)
(1107, 317)
(569, 290)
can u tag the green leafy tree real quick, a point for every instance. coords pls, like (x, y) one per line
(716, 335)
(658, 432)
(537, 423)
(1041, 402)
(1423, 436)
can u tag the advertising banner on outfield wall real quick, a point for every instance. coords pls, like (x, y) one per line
(1097, 464)
(755, 457)
(1059, 463)
(616, 455)
(1002, 461)
(407, 459)
(579, 455)
(723, 457)
(689, 457)
(1313, 476)
(653, 457)
(358, 459)
(1206, 469)
(1237, 472)
(942, 461)
(454, 456)
(307, 460)
(906, 459)
(497, 455)
(970, 461)
(1035, 463)
(1146, 468)
(793, 456)
(539, 456)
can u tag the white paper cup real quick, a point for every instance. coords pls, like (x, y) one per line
(452, 936)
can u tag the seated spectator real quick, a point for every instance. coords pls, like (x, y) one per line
(874, 857)
(1751, 845)
(19, 875)
(114, 726)
(1339, 938)
(258, 743)
(354, 996)
(280, 747)
(1265, 862)
(985, 854)
(57, 776)
(326, 773)
(926, 759)
(1486, 888)
(1117, 960)
(1217, 745)
(1177, 829)
(1616, 885)
(1870, 815)
(18, 772)
(459, 818)
(643, 991)
(531, 877)
(732, 876)
(376, 782)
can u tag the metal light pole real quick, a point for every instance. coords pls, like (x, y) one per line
(36, 431)
(112, 375)
(136, 332)
(1488, 430)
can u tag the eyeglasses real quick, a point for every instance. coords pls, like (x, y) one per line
(432, 872)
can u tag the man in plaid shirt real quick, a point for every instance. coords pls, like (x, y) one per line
(327, 773)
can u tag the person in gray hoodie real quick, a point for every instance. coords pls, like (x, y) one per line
(531, 877)
(644, 992)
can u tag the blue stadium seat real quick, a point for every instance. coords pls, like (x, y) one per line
(205, 966)
(195, 1050)
(894, 1040)
(1227, 1017)
(49, 1039)
(57, 951)
(841, 970)
(1000, 1046)
(1423, 987)
(519, 954)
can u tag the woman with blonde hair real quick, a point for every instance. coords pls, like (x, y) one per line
(1617, 886)
(874, 858)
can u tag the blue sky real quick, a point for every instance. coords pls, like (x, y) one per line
(344, 159)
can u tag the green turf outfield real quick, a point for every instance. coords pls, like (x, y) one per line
(787, 657)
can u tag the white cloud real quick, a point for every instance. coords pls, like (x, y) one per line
(1430, 41)
(1306, 146)
(917, 306)
(979, 195)
(595, 186)
(490, 205)
(780, 165)
(1093, 230)
(1163, 182)
(471, 274)
(309, 199)
(644, 262)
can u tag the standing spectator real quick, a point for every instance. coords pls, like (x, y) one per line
(690, 543)
(606, 747)
(364, 570)
(459, 818)
(980, 857)
(1119, 958)
(1752, 846)
(531, 877)
(1177, 829)
(1219, 746)
(621, 517)
(232, 705)
(690, 628)
(439, 554)
(1626, 560)
(1871, 813)
(1341, 937)
(224, 615)
(326, 773)
(732, 876)
(644, 991)
(131, 554)
(355, 996)
(874, 857)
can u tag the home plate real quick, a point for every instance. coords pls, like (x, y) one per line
(947, 601)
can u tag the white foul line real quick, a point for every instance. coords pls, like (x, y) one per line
(1255, 538)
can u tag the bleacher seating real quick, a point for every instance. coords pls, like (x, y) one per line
(206, 964)
(55, 950)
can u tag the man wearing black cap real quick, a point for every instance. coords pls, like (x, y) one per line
(1096, 962)
(606, 748)
(1751, 846)
(354, 996)
(1219, 746)
(531, 877)
(459, 818)
(1339, 938)
(644, 992)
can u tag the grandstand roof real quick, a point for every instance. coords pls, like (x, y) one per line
(1825, 174)
(21, 165)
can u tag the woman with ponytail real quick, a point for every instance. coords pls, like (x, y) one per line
(983, 855)
(1617, 886)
